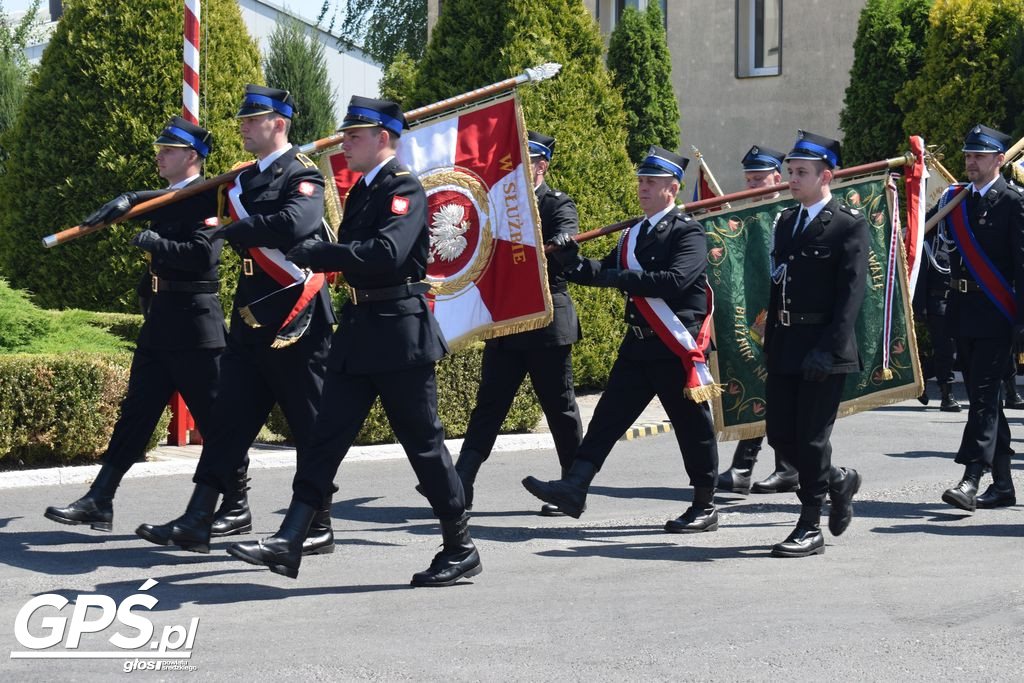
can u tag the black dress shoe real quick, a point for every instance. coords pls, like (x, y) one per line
(549, 510)
(458, 558)
(923, 398)
(694, 521)
(802, 542)
(963, 495)
(776, 483)
(841, 512)
(996, 497)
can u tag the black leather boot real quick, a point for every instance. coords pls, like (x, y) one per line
(737, 478)
(963, 494)
(948, 403)
(1011, 397)
(923, 398)
(320, 539)
(95, 508)
(549, 510)
(843, 483)
(233, 516)
(282, 552)
(1000, 492)
(458, 558)
(701, 516)
(191, 531)
(806, 539)
(467, 467)
(783, 480)
(569, 494)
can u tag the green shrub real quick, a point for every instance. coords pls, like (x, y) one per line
(641, 68)
(398, 79)
(888, 51)
(973, 73)
(295, 62)
(61, 408)
(107, 83)
(458, 377)
(476, 42)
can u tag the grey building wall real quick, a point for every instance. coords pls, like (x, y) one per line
(724, 115)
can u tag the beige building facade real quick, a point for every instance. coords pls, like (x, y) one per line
(749, 71)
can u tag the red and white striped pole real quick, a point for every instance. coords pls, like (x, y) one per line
(190, 83)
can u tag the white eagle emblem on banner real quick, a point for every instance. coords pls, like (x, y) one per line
(446, 233)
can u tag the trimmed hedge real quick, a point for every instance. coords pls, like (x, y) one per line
(458, 377)
(61, 408)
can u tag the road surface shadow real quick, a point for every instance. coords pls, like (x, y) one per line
(661, 551)
(1002, 530)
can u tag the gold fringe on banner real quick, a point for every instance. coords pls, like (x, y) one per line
(246, 315)
(704, 393)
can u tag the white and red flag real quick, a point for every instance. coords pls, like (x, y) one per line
(486, 269)
(917, 206)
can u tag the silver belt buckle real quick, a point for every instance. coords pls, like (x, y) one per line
(784, 318)
(637, 332)
(961, 286)
(247, 266)
(353, 295)
(154, 283)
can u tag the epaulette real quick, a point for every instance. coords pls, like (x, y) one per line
(849, 209)
(398, 173)
(558, 193)
(304, 160)
(1016, 188)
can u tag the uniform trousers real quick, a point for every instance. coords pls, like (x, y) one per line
(155, 375)
(550, 371)
(409, 399)
(631, 386)
(252, 380)
(798, 424)
(986, 434)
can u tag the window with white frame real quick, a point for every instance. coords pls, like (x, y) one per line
(758, 38)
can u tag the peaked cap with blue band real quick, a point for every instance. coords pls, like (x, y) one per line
(662, 163)
(261, 100)
(762, 159)
(366, 112)
(181, 133)
(540, 145)
(984, 139)
(816, 148)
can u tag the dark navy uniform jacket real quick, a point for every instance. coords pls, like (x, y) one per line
(188, 250)
(674, 257)
(381, 244)
(286, 206)
(826, 276)
(557, 216)
(997, 221)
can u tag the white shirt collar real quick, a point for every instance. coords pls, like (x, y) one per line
(266, 161)
(183, 183)
(370, 175)
(983, 191)
(656, 218)
(814, 209)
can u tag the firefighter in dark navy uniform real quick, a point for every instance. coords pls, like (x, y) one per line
(985, 331)
(666, 287)
(818, 281)
(277, 346)
(762, 167)
(386, 346)
(544, 354)
(182, 337)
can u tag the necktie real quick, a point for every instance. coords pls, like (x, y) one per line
(800, 222)
(645, 228)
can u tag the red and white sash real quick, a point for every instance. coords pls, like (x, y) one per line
(285, 273)
(700, 385)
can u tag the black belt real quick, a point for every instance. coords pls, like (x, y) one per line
(362, 296)
(787, 318)
(160, 285)
(641, 332)
(964, 286)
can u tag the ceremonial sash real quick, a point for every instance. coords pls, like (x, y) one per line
(700, 385)
(298, 286)
(988, 277)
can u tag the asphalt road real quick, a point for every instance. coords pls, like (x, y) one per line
(915, 590)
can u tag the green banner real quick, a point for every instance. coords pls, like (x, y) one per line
(739, 239)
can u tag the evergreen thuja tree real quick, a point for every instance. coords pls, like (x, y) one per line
(641, 68)
(108, 81)
(888, 51)
(476, 42)
(295, 62)
(972, 74)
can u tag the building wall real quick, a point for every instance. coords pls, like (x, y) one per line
(723, 115)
